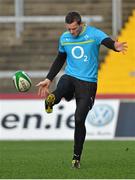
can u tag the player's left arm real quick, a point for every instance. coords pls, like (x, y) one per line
(115, 45)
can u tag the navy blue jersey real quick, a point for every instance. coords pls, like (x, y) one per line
(82, 52)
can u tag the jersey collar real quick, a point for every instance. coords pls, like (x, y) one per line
(83, 29)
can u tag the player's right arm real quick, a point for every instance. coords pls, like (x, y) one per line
(57, 65)
(43, 89)
(44, 85)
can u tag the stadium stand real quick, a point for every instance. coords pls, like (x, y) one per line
(37, 47)
(117, 74)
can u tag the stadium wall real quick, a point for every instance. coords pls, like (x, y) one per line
(22, 117)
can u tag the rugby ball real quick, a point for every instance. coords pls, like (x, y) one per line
(22, 81)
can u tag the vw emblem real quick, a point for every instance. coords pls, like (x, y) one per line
(100, 115)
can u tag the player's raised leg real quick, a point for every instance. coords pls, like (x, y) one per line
(64, 89)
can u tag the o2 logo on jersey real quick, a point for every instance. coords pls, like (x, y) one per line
(79, 55)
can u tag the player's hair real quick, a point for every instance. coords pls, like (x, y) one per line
(72, 17)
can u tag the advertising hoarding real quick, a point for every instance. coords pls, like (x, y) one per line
(26, 119)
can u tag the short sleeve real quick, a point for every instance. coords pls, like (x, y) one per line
(61, 47)
(99, 36)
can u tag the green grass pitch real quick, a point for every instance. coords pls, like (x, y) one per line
(52, 160)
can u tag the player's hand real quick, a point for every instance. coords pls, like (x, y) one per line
(43, 90)
(121, 46)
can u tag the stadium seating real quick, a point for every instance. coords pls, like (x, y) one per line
(37, 47)
(117, 74)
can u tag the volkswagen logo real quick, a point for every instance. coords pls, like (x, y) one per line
(100, 115)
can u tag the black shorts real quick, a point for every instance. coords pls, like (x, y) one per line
(69, 87)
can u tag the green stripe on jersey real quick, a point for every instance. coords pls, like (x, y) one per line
(83, 42)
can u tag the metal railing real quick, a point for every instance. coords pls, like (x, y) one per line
(19, 19)
(41, 19)
(116, 16)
